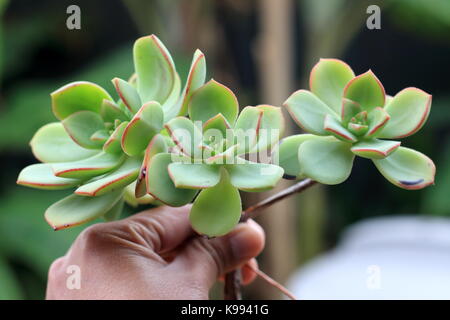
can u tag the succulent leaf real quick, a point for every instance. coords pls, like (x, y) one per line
(348, 110)
(308, 111)
(358, 129)
(246, 128)
(374, 148)
(115, 212)
(41, 176)
(161, 186)
(51, 143)
(254, 177)
(82, 125)
(409, 110)
(114, 180)
(128, 94)
(75, 210)
(217, 210)
(196, 79)
(210, 100)
(171, 107)
(130, 197)
(334, 127)
(185, 135)
(78, 96)
(270, 129)
(194, 175)
(326, 160)
(100, 136)
(366, 90)
(110, 112)
(88, 168)
(157, 145)
(377, 118)
(218, 122)
(407, 169)
(114, 142)
(147, 122)
(328, 79)
(287, 153)
(154, 68)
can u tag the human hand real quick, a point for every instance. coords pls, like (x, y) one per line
(153, 255)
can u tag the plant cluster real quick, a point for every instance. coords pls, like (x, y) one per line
(158, 143)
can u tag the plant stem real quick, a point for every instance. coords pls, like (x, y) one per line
(232, 290)
(255, 210)
(272, 282)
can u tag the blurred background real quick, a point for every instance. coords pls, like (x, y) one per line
(263, 50)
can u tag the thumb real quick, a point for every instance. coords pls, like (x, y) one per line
(204, 260)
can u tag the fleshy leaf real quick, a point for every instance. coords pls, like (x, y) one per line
(349, 110)
(216, 210)
(82, 125)
(41, 176)
(227, 156)
(196, 79)
(154, 68)
(366, 90)
(409, 110)
(113, 144)
(132, 200)
(100, 136)
(161, 186)
(78, 96)
(141, 129)
(308, 111)
(115, 212)
(218, 122)
(358, 129)
(287, 154)
(87, 168)
(157, 145)
(334, 127)
(171, 106)
(407, 169)
(375, 149)
(194, 175)
(328, 79)
(128, 94)
(114, 180)
(377, 118)
(270, 129)
(246, 128)
(75, 210)
(51, 143)
(211, 99)
(185, 135)
(326, 160)
(110, 111)
(254, 177)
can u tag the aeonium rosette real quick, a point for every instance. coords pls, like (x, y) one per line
(207, 164)
(98, 145)
(348, 116)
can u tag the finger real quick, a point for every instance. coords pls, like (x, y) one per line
(248, 275)
(203, 260)
(163, 228)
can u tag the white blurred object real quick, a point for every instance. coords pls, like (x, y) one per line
(399, 257)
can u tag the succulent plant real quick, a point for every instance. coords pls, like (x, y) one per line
(141, 149)
(347, 116)
(98, 144)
